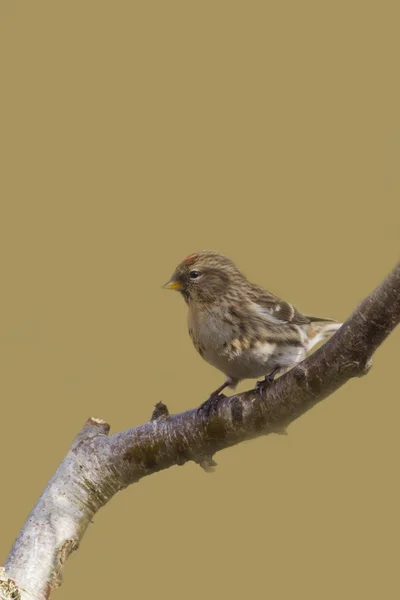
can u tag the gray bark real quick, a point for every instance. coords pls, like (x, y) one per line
(98, 465)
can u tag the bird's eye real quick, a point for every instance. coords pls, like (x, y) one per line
(194, 274)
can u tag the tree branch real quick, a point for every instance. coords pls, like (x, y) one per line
(97, 465)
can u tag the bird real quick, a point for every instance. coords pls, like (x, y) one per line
(239, 327)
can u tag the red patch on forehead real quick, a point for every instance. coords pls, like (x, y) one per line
(190, 258)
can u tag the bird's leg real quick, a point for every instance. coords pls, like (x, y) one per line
(268, 379)
(210, 405)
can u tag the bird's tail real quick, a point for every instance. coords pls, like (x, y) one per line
(320, 329)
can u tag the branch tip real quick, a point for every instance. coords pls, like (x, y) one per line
(92, 428)
(100, 424)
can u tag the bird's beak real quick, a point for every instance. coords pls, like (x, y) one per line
(174, 284)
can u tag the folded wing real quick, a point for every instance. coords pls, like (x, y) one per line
(274, 310)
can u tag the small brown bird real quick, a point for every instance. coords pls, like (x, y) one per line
(240, 328)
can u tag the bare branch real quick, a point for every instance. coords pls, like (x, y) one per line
(97, 465)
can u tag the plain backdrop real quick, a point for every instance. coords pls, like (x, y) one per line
(132, 134)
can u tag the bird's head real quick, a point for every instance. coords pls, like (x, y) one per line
(204, 276)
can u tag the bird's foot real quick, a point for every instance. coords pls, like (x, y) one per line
(266, 382)
(210, 405)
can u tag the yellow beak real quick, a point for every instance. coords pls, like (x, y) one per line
(174, 285)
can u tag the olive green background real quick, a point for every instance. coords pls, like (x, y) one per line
(134, 133)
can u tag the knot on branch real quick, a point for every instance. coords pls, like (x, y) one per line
(355, 367)
(160, 412)
(207, 463)
(8, 588)
(279, 430)
(366, 367)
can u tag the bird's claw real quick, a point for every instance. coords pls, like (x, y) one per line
(262, 385)
(210, 405)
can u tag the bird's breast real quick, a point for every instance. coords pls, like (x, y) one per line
(208, 328)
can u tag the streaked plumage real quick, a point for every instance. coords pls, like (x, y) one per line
(237, 326)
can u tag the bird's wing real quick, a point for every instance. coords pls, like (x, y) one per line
(273, 309)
